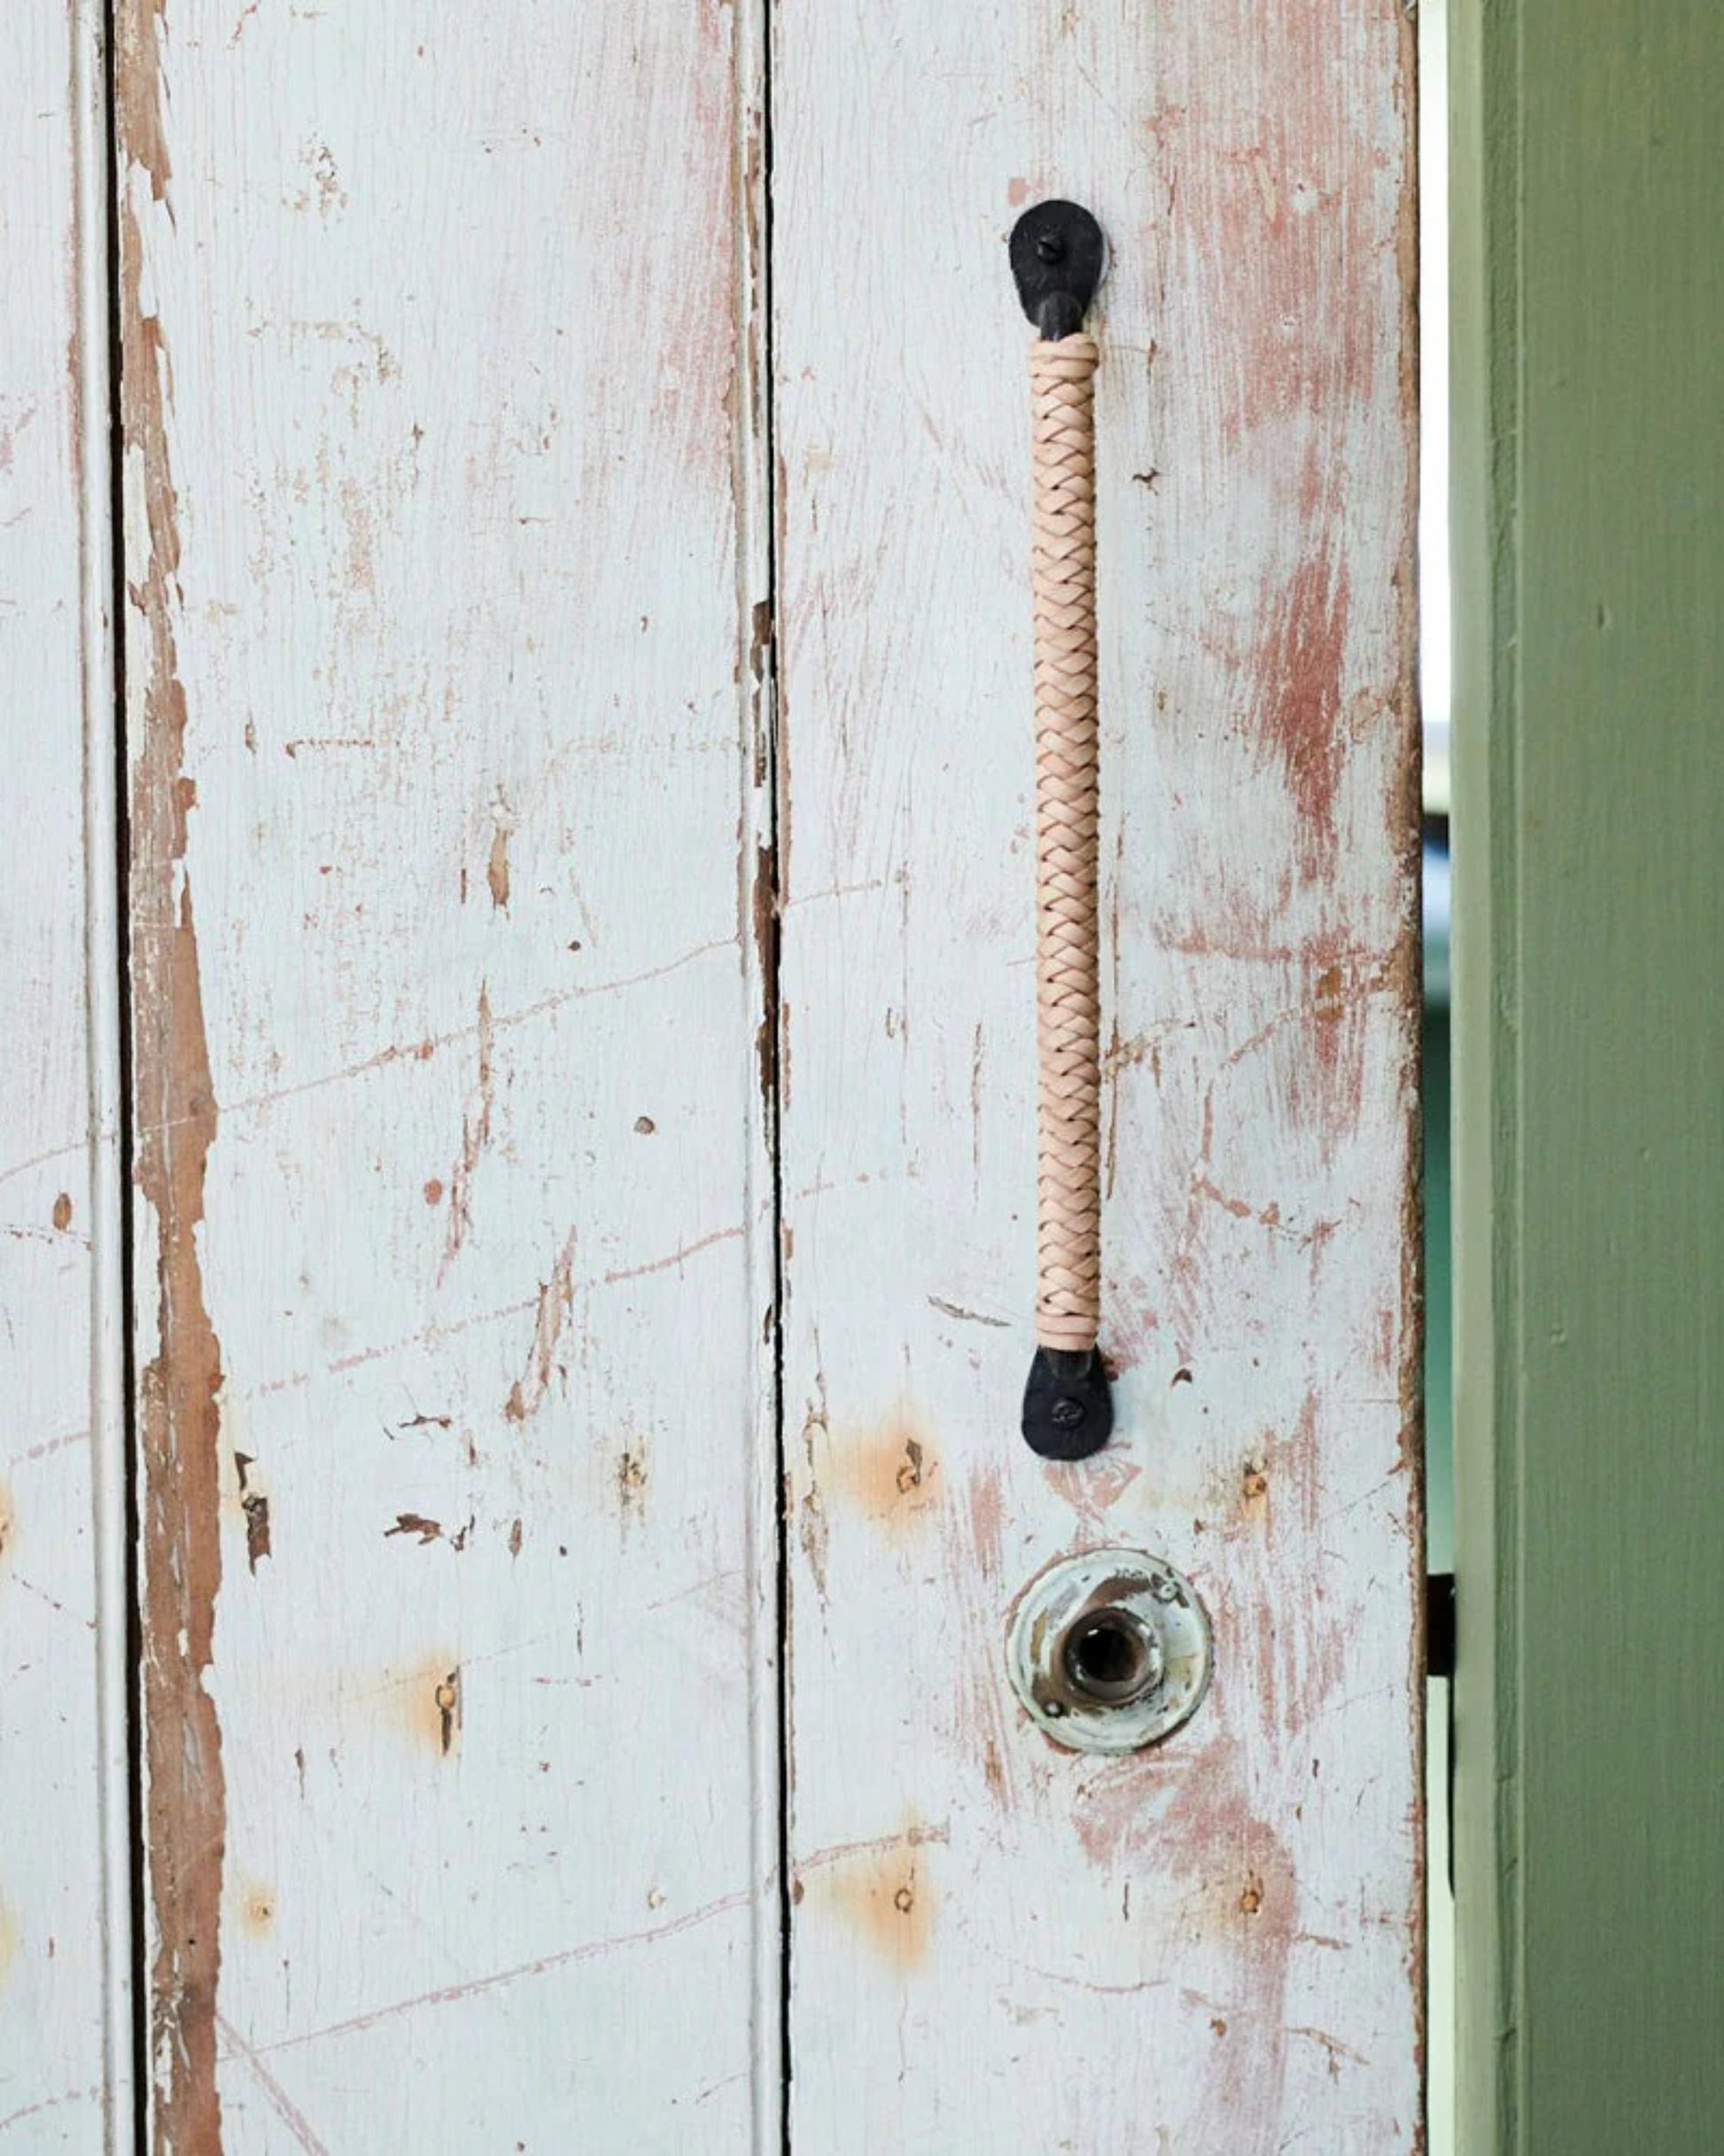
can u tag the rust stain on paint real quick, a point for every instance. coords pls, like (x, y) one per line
(557, 1298)
(8, 1520)
(881, 1890)
(62, 1212)
(1282, 1468)
(888, 1471)
(179, 1416)
(425, 1700)
(256, 1908)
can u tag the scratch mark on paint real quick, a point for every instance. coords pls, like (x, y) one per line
(841, 1852)
(556, 1295)
(588, 1951)
(280, 2102)
(671, 1260)
(46, 1449)
(475, 1136)
(422, 1049)
(1332, 2046)
(976, 1113)
(51, 2103)
(967, 1317)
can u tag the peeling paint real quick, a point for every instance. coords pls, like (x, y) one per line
(255, 1505)
(415, 1523)
(496, 870)
(179, 1417)
(446, 1699)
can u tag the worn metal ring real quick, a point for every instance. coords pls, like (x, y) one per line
(1110, 1651)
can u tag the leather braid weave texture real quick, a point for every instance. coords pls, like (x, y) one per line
(1068, 1026)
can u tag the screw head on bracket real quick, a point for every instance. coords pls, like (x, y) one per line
(1067, 1405)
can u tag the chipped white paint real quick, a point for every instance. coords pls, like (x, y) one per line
(448, 515)
(1211, 1948)
(64, 2060)
(442, 306)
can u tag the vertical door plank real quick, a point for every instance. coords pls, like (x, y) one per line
(64, 2057)
(450, 1329)
(1214, 1946)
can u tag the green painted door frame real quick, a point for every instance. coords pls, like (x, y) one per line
(1589, 1025)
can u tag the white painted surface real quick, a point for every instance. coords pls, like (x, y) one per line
(449, 418)
(448, 514)
(1212, 1949)
(63, 2049)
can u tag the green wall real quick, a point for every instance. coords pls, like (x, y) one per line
(1589, 1033)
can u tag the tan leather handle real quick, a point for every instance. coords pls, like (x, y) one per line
(1068, 1019)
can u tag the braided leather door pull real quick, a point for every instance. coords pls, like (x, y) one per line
(1057, 253)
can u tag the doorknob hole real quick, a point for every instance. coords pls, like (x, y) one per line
(1112, 1657)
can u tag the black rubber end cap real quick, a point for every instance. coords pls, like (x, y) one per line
(1068, 1407)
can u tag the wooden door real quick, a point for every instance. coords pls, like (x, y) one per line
(995, 1943)
(572, 639)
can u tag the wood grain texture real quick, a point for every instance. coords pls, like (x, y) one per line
(1215, 1947)
(440, 550)
(1589, 1038)
(62, 2085)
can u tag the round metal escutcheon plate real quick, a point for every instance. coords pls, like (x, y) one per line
(1109, 1651)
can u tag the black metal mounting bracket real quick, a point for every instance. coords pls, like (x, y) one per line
(1067, 1406)
(1058, 255)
